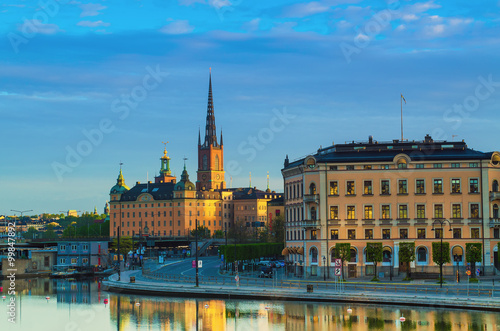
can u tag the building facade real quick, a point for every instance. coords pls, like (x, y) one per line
(391, 192)
(170, 208)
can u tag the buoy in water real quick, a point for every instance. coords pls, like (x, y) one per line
(3, 296)
(105, 301)
(206, 306)
(349, 310)
(402, 319)
(48, 298)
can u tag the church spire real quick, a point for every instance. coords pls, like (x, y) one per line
(210, 130)
(221, 142)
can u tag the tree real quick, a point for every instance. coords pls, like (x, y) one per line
(274, 231)
(407, 255)
(441, 255)
(472, 255)
(343, 252)
(31, 233)
(49, 233)
(374, 254)
(125, 245)
(203, 232)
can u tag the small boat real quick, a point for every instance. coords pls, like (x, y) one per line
(104, 272)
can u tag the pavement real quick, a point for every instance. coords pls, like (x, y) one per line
(483, 296)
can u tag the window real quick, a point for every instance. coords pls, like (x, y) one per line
(313, 214)
(85, 260)
(349, 167)
(368, 233)
(403, 186)
(62, 247)
(73, 247)
(496, 233)
(334, 188)
(403, 233)
(421, 211)
(473, 165)
(457, 233)
(420, 186)
(368, 212)
(333, 167)
(384, 186)
(312, 188)
(350, 188)
(474, 233)
(386, 212)
(421, 254)
(367, 167)
(419, 166)
(455, 165)
(205, 162)
(74, 260)
(354, 255)
(403, 212)
(438, 233)
(402, 165)
(386, 254)
(495, 211)
(367, 187)
(438, 186)
(62, 261)
(455, 185)
(386, 233)
(85, 247)
(421, 233)
(351, 212)
(351, 234)
(384, 167)
(494, 186)
(456, 210)
(334, 234)
(334, 212)
(314, 234)
(473, 185)
(438, 211)
(314, 255)
(438, 165)
(474, 210)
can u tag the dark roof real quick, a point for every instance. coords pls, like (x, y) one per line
(252, 193)
(373, 151)
(159, 191)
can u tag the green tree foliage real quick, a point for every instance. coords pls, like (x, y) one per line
(203, 232)
(250, 251)
(274, 231)
(343, 252)
(31, 233)
(473, 254)
(439, 258)
(219, 234)
(125, 245)
(407, 254)
(374, 253)
(86, 227)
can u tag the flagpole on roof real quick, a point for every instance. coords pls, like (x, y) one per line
(402, 98)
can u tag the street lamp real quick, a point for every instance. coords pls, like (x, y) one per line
(456, 256)
(21, 212)
(324, 268)
(196, 251)
(146, 231)
(225, 233)
(442, 222)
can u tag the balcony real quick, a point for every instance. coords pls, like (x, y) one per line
(494, 196)
(310, 224)
(474, 221)
(495, 223)
(311, 198)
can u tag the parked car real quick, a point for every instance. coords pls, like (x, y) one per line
(266, 273)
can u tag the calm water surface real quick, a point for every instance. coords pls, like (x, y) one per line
(81, 305)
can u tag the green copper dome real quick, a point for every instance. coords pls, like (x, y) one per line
(120, 186)
(184, 183)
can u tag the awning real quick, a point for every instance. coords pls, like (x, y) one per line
(300, 250)
(284, 252)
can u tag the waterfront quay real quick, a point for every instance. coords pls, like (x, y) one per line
(158, 281)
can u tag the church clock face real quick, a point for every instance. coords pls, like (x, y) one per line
(204, 177)
(217, 177)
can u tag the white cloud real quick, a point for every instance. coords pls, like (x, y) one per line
(36, 26)
(218, 4)
(305, 9)
(91, 24)
(409, 17)
(91, 9)
(177, 27)
(252, 25)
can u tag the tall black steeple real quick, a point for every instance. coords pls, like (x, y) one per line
(210, 130)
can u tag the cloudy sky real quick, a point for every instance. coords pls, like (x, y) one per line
(85, 86)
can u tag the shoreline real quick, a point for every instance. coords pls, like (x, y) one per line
(293, 294)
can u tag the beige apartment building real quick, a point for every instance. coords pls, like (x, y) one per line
(391, 192)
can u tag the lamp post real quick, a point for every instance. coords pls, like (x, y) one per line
(225, 234)
(324, 268)
(196, 251)
(146, 232)
(458, 268)
(441, 222)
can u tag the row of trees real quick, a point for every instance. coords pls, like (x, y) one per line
(250, 251)
(374, 253)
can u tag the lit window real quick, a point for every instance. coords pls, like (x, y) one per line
(334, 234)
(368, 233)
(368, 212)
(420, 211)
(438, 211)
(473, 185)
(456, 211)
(474, 210)
(385, 187)
(421, 233)
(334, 188)
(386, 233)
(403, 233)
(367, 185)
(351, 212)
(350, 188)
(438, 186)
(351, 234)
(403, 186)
(386, 212)
(455, 185)
(420, 186)
(334, 212)
(474, 233)
(403, 211)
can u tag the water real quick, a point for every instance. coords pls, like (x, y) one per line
(80, 305)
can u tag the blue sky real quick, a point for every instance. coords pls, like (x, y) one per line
(85, 85)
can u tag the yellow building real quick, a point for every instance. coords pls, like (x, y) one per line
(392, 192)
(167, 208)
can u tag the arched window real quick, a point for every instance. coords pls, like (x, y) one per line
(495, 211)
(216, 162)
(495, 186)
(421, 254)
(387, 254)
(205, 162)
(333, 255)
(313, 214)
(457, 254)
(312, 188)
(314, 255)
(354, 255)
